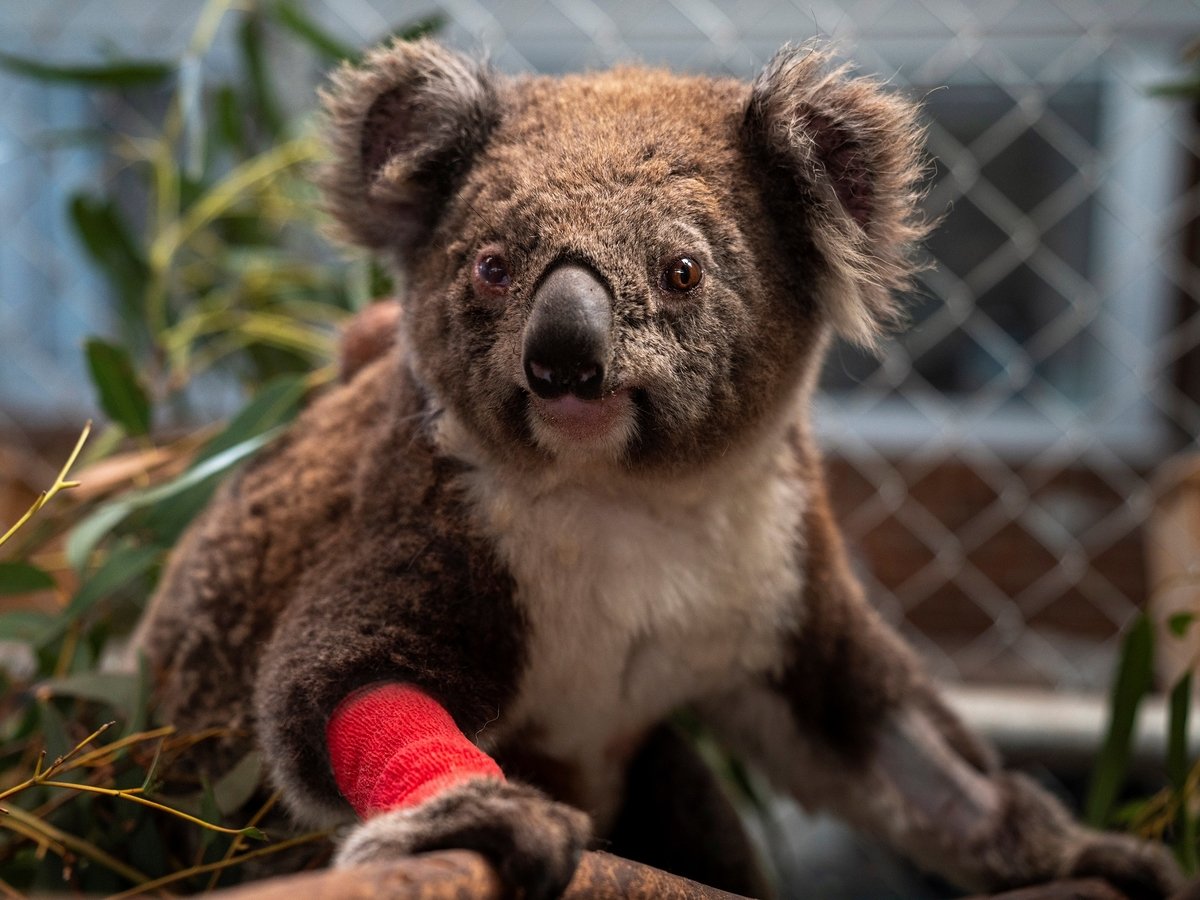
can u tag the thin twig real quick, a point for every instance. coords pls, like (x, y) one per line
(236, 843)
(60, 484)
(221, 864)
(40, 775)
(134, 796)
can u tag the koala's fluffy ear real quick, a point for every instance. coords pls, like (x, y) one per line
(404, 126)
(850, 152)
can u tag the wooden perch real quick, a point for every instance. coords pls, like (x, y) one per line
(462, 875)
(1076, 889)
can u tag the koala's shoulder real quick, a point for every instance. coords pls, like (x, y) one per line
(303, 487)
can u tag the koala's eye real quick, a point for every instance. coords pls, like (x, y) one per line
(682, 274)
(491, 272)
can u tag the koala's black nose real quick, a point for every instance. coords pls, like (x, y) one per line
(568, 340)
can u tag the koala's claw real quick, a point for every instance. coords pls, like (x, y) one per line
(534, 842)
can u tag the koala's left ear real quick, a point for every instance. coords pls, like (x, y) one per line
(403, 127)
(850, 154)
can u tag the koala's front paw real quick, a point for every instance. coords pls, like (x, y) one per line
(1140, 869)
(533, 841)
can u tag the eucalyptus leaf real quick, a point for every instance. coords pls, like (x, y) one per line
(1189, 88)
(114, 74)
(93, 529)
(122, 567)
(420, 28)
(121, 395)
(119, 690)
(262, 93)
(87, 534)
(109, 242)
(293, 18)
(53, 730)
(1180, 622)
(1178, 766)
(229, 120)
(275, 404)
(1133, 681)
(23, 578)
(25, 625)
(234, 789)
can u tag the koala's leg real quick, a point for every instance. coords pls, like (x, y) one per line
(982, 828)
(676, 816)
(849, 723)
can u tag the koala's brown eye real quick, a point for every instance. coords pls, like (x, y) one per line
(492, 272)
(682, 274)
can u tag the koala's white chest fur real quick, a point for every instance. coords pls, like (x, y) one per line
(639, 600)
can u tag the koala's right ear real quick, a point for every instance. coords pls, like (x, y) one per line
(405, 124)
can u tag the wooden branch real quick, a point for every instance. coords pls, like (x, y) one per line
(462, 875)
(1075, 889)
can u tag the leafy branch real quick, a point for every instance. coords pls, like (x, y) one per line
(46, 777)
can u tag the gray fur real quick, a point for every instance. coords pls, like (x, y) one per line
(426, 522)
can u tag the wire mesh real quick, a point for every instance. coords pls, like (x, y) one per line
(997, 464)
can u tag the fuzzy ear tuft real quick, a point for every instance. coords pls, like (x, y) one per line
(403, 126)
(850, 153)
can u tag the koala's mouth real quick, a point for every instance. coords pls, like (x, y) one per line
(585, 421)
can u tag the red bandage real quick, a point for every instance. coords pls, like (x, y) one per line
(392, 745)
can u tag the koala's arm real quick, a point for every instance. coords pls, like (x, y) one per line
(849, 724)
(400, 645)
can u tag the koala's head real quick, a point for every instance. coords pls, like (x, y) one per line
(629, 266)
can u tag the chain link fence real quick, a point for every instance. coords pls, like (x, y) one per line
(997, 464)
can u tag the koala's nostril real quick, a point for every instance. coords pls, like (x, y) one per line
(539, 373)
(568, 337)
(585, 382)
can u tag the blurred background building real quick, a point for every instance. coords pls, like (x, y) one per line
(998, 465)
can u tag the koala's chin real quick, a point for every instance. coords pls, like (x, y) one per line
(572, 428)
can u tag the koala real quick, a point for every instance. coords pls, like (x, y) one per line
(458, 601)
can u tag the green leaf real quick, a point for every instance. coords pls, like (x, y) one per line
(109, 242)
(291, 17)
(1179, 623)
(234, 789)
(121, 395)
(54, 731)
(1177, 749)
(123, 566)
(87, 534)
(119, 690)
(422, 27)
(93, 529)
(141, 703)
(115, 74)
(1178, 764)
(261, 92)
(1188, 89)
(275, 404)
(23, 578)
(25, 625)
(1133, 682)
(229, 120)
